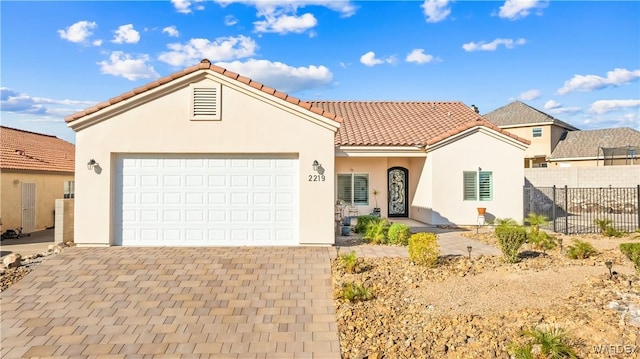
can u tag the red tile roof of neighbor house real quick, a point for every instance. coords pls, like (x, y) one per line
(378, 123)
(24, 150)
(364, 123)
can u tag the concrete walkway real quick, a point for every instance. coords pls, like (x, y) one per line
(174, 302)
(36, 242)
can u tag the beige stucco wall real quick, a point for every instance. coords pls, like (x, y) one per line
(376, 168)
(478, 150)
(49, 187)
(64, 220)
(540, 146)
(252, 123)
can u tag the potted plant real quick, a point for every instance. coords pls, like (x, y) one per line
(345, 222)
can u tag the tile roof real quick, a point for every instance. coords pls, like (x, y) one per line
(578, 144)
(205, 64)
(375, 123)
(24, 150)
(519, 113)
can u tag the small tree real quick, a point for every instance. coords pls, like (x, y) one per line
(535, 221)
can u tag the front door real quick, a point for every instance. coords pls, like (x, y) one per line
(398, 192)
(28, 207)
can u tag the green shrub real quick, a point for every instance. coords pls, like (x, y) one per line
(581, 250)
(510, 239)
(399, 234)
(552, 343)
(349, 261)
(632, 251)
(542, 241)
(535, 221)
(376, 231)
(424, 249)
(363, 222)
(610, 231)
(602, 224)
(505, 222)
(355, 292)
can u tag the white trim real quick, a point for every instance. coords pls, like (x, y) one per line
(478, 129)
(380, 151)
(181, 82)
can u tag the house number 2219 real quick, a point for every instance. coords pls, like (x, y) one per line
(316, 178)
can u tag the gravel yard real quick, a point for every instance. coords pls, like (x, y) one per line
(475, 308)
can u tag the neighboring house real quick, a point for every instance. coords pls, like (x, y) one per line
(605, 147)
(36, 170)
(543, 130)
(208, 157)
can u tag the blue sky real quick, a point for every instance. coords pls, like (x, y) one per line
(576, 60)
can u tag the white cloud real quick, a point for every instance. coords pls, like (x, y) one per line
(124, 65)
(281, 76)
(184, 6)
(530, 95)
(517, 9)
(344, 7)
(126, 34)
(221, 49)
(419, 57)
(436, 10)
(17, 102)
(493, 45)
(171, 31)
(283, 24)
(604, 106)
(588, 83)
(369, 59)
(230, 20)
(96, 42)
(79, 32)
(551, 104)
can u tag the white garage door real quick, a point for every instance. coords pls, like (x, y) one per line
(206, 201)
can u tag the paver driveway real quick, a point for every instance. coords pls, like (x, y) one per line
(174, 302)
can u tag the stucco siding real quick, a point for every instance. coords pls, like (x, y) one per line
(249, 125)
(49, 187)
(471, 153)
(584, 177)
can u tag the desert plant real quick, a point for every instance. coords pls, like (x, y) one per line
(363, 222)
(611, 231)
(505, 222)
(424, 249)
(355, 292)
(349, 261)
(399, 234)
(376, 231)
(510, 239)
(545, 343)
(542, 240)
(580, 250)
(603, 224)
(632, 251)
(535, 221)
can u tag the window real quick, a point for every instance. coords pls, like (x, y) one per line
(477, 185)
(205, 103)
(354, 188)
(537, 132)
(69, 189)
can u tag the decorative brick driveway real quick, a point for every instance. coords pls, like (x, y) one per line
(174, 302)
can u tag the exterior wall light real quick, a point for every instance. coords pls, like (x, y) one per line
(316, 165)
(92, 163)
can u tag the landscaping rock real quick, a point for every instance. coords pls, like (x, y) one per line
(13, 260)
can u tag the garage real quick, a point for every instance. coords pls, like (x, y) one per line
(206, 200)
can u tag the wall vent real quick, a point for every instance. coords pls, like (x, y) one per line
(205, 104)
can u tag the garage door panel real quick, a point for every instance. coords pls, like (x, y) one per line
(199, 201)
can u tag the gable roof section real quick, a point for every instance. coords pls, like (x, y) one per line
(520, 114)
(374, 123)
(584, 144)
(24, 150)
(203, 66)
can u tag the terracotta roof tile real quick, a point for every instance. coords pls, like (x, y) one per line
(26, 150)
(373, 123)
(203, 65)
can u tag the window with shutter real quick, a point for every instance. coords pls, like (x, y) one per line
(354, 188)
(205, 102)
(477, 185)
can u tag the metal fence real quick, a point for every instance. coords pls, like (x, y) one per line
(574, 210)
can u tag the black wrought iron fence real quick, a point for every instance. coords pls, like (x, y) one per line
(575, 210)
